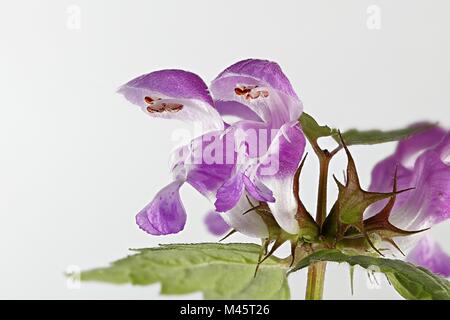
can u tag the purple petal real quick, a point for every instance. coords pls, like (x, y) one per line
(383, 181)
(165, 214)
(258, 190)
(249, 224)
(262, 87)
(177, 84)
(432, 193)
(216, 162)
(209, 164)
(230, 193)
(281, 162)
(429, 254)
(383, 175)
(443, 149)
(251, 139)
(215, 223)
(285, 152)
(174, 94)
(384, 171)
(417, 143)
(208, 178)
(403, 160)
(235, 111)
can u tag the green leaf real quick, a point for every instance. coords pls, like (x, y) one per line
(220, 271)
(314, 131)
(410, 281)
(354, 136)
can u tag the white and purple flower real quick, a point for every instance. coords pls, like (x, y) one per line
(423, 162)
(255, 157)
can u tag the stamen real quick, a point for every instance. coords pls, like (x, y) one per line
(174, 107)
(165, 107)
(155, 106)
(251, 92)
(148, 100)
(241, 91)
(153, 109)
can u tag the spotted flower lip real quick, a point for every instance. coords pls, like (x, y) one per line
(261, 97)
(165, 214)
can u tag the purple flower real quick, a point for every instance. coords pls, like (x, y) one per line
(422, 162)
(215, 223)
(254, 157)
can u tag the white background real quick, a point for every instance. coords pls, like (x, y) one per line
(77, 161)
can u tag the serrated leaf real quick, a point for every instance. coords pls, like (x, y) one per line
(220, 271)
(354, 136)
(410, 281)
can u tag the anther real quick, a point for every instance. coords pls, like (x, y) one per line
(251, 92)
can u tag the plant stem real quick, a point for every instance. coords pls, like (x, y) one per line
(323, 185)
(316, 272)
(316, 280)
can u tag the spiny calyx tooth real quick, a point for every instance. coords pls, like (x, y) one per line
(228, 234)
(277, 236)
(309, 229)
(353, 200)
